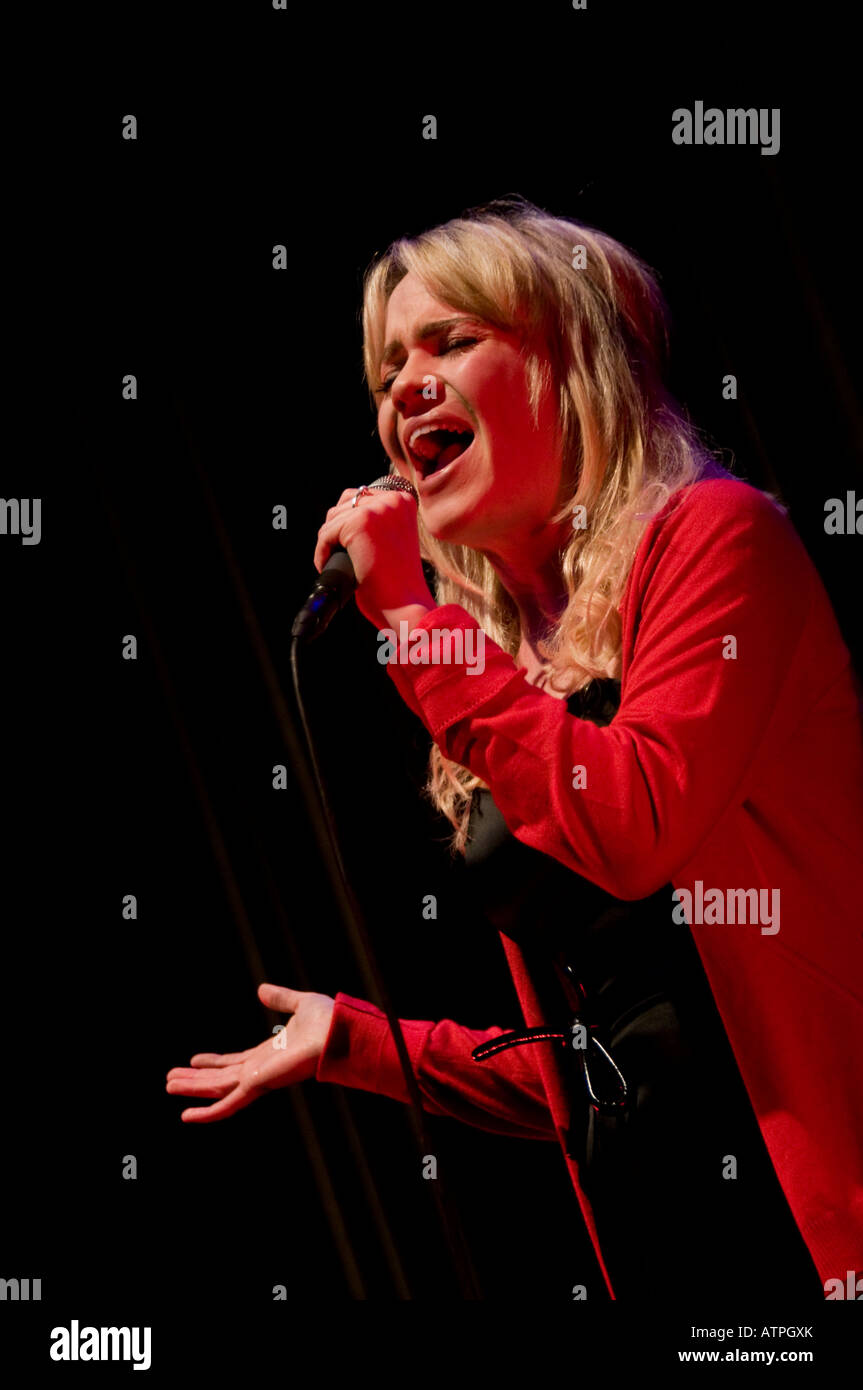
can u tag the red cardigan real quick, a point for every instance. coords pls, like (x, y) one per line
(741, 772)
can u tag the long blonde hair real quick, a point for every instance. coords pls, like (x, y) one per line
(594, 327)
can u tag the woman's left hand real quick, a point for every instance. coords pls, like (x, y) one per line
(380, 535)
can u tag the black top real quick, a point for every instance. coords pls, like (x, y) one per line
(622, 952)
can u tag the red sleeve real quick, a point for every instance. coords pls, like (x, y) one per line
(503, 1095)
(724, 561)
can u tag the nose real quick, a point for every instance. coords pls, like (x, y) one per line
(414, 388)
(412, 402)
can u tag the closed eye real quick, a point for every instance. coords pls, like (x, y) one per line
(451, 345)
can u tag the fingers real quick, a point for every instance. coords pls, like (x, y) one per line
(347, 496)
(279, 997)
(204, 1114)
(205, 1089)
(212, 1059)
(217, 1074)
(329, 536)
(185, 1081)
(218, 1059)
(231, 1096)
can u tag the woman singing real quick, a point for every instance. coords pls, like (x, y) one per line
(654, 778)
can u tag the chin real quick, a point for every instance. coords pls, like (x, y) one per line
(456, 522)
(452, 530)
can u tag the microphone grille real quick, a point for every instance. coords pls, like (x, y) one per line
(390, 482)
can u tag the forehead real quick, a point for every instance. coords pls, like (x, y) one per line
(410, 304)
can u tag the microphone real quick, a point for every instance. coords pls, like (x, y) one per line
(337, 580)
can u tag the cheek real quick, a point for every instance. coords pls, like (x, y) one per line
(501, 395)
(386, 428)
(507, 417)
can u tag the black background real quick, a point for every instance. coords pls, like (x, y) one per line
(153, 777)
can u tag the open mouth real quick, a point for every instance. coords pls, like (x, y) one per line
(433, 449)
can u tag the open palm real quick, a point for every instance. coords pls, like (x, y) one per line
(235, 1079)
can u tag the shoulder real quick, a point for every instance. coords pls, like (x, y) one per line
(720, 534)
(721, 504)
(723, 520)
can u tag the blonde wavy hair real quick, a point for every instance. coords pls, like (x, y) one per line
(594, 327)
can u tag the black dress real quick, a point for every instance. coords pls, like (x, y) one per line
(670, 1224)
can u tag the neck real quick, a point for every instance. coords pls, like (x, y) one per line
(529, 570)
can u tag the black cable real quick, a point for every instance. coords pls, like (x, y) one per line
(374, 984)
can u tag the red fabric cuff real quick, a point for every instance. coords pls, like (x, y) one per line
(360, 1051)
(442, 693)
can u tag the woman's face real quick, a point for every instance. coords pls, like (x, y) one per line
(496, 482)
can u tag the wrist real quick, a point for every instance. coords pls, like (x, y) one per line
(410, 613)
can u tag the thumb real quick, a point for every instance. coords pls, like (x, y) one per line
(279, 997)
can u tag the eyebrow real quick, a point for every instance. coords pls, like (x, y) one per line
(428, 330)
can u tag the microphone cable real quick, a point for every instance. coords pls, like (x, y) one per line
(375, 985)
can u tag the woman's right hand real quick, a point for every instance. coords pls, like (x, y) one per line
(238, 1078)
